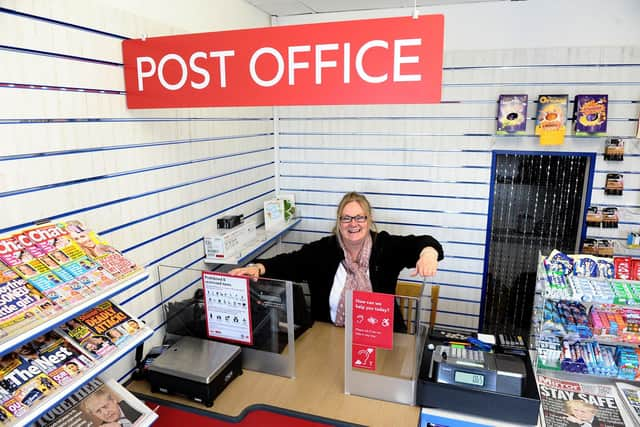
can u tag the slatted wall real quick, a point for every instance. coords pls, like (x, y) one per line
(151, 182)
(427, 168)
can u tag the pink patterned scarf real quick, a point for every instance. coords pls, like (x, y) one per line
(357, 273)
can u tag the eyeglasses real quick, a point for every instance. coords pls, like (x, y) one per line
(346, 219)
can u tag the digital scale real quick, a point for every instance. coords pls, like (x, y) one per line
(196, 368)
(479, 370)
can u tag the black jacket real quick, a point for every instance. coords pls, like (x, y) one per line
(317, 262)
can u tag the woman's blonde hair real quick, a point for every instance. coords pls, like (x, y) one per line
(352, 196)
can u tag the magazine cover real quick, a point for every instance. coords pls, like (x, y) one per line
(99, 402)
(61, 292)
(52, 244)
(21, 305)
(36, 252)
(631, 396)
(512, 114)
(55, 356)
(590, 114)
(35, 369)
(100, 251)
(102, 329)
(568, 403)
(16, 257)
(22, 384)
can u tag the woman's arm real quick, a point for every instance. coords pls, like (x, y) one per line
(427, 264)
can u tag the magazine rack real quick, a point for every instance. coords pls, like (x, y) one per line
(275, 320)
(396, 374)
(11, 343)
(68, 389)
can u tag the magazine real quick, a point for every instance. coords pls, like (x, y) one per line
(21, 305)
(567, 403)
(51, 244)
(55, 356)
(102, 329)
(98, 402)
(631, 396)
(512, 114)
(62, 292)
(37, 368)
(100, 251)
(36, 252)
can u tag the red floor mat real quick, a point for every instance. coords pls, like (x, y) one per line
(254, 416)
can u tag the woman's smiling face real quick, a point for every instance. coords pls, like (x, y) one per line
(354, 231)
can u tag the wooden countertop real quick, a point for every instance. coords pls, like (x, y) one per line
(318, 388)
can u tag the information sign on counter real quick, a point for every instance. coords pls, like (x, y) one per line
(363, 356)
(227, 307)
(373, 319)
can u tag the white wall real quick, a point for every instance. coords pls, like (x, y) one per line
(151, 181)
(427, 168)
(518, 24)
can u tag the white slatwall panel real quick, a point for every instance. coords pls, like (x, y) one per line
(152, 182)
(426, 168)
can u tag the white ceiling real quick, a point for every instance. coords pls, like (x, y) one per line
(303, 7)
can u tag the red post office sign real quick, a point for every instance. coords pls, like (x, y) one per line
(375, 61)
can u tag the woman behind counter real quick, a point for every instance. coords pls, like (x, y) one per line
(355, 256)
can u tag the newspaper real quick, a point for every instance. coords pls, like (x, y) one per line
(567, 403)
(98, 402)
(631, 398)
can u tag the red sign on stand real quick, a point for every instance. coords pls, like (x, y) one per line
(363, 356)
(374, 61)
(372, 319)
